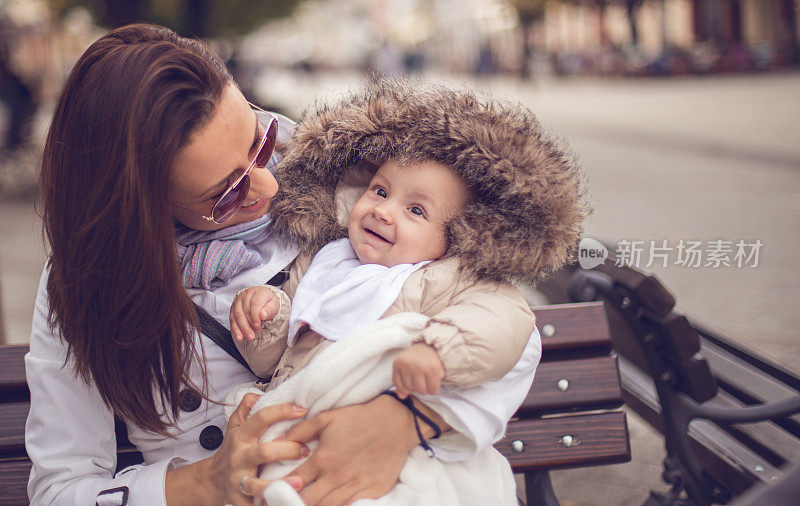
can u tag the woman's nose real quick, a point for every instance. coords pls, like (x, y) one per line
(262, 185)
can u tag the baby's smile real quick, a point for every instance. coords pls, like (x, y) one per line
(377, 235)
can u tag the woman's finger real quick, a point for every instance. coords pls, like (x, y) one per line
(366, 493)
(252, 486)
(307, 430)
(260, 421)
(255, 487)
(307, 472)
(276, 450)
(243, 410)
(343, 495)
(316, 491)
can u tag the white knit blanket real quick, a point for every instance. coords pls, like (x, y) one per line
(355, 370)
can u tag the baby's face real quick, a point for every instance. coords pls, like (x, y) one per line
(400, 218)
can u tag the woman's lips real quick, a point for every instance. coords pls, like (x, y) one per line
(254, 207)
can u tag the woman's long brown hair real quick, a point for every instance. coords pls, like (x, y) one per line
(116, 299)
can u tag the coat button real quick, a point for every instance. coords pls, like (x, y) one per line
(278, 279)
(211, 437)
(190, 400)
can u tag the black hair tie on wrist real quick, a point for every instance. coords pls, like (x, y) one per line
(409, 403)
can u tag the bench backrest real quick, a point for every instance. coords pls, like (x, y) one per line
(705, 366)
(577, 387)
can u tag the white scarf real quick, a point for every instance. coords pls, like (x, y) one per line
(338, 294)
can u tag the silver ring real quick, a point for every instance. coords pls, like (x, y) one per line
(241, 485)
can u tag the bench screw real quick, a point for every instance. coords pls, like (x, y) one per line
(568, 441)
(548, 330)
(518, 446)
(563, 385)
(758, 469)
(625, 303)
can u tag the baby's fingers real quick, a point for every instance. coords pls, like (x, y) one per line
(419, 384)
(239, 319)
(271, 308)
(236, 331)
(401, 383)
(433, 381)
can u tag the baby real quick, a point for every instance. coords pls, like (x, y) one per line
(400, 220)
(468, 195)
(413, 207)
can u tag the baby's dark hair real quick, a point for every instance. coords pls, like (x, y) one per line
(531, 196)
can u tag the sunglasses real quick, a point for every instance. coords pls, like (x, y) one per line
(234, 196)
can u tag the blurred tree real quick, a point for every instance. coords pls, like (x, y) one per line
(201, 18)
(528, 12)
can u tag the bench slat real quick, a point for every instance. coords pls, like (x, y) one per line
(601, 437)
(14, 473)
(12, 367)
(773, 438)
(576, 325)
(737, 468)
(745, 378)
(12, 429)
(593, 384)
(14, 482)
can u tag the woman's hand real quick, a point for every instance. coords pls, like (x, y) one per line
(361, 451)
(216, 480)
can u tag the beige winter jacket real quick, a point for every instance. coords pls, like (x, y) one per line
(479, 329)
(526, 220)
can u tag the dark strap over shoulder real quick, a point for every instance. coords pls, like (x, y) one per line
(219, 334)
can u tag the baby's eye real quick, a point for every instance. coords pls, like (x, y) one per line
(380, 192)
(419, 211)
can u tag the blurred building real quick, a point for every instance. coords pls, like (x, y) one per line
(671, 36)
(567, 37)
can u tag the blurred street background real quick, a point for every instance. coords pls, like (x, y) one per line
(685, 114)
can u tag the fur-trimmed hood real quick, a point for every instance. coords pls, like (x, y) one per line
(531, 196)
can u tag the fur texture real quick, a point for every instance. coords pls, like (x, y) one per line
(531, 196)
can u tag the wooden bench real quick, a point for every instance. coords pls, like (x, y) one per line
(569, 419)
(725, 412)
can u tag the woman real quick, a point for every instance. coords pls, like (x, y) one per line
(150, 132)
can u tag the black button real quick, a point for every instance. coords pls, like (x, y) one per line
(278, 279)
(211, 437)
(190, 400)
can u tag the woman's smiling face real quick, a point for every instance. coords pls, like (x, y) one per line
(215, 156)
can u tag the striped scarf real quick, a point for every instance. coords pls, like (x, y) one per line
(210, 259)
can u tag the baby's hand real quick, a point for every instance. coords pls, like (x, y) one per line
(417, 370)
(250, 307)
